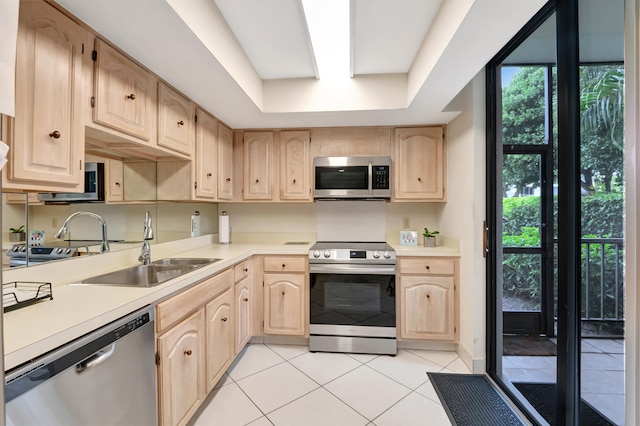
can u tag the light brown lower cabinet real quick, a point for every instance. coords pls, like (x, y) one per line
(220, 347)
(181, 370)
(195, 345)
(243, 303)
(428, 301)
(286, 308)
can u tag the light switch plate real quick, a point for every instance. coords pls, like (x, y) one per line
(406, 222)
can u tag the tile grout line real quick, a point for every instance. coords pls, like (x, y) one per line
(322, 386)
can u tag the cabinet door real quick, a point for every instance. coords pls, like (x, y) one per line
(225, 162)
(295, 165)
(284, 301)
(243, 313)
(125, 94)
(427, 307)
(181, 370)
(220, 348)
(419, 164)
(258, 165)
(175, 120)
(115, 181)
(23, 198)
(48, 140)
(206, 155)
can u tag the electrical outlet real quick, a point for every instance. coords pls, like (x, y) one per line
(406, 223)
(54, 222)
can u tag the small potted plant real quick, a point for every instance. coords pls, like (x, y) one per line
(17, 234)
(429, 237)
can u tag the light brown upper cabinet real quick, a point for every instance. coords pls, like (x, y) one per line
(47, 136)
(114, 188)
(176, 115)
(295, 165)
(206, 171)
(113, 177)
(258, 165)
(419, 164)
(225, 163)
(195, 180)
(125, 94)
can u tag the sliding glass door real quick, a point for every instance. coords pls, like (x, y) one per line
(555, 281)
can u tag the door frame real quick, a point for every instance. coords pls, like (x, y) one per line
(568, 360)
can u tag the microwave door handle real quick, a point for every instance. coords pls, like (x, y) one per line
(370, 184)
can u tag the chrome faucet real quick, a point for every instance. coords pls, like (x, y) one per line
(145, 254)
(104, 246)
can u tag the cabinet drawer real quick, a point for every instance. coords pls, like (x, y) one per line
(426, 265)
(241, 270)
(285, 264)
(173, 310)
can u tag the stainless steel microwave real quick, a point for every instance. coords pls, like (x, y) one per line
(352, 177)
(93, 188)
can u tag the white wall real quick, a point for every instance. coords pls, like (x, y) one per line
(301, 218)
(462, 217)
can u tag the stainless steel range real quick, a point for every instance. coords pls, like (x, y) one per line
(23, 254)
(352, 297)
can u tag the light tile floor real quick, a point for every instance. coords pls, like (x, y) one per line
(602, 378)
(286, 385)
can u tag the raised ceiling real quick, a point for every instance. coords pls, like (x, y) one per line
(252, 65)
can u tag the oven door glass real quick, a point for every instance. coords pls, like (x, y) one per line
(345, 299)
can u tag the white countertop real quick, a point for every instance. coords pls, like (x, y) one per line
(76, 310)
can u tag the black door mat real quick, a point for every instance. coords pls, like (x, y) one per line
(528, 346)
(542, 396)
(470, 399)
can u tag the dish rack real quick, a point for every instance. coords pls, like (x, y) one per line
(18, 294)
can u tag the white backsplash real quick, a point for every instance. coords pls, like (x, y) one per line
(350, 221)
(303, 218)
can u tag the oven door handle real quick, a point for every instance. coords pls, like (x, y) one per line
(352, 269)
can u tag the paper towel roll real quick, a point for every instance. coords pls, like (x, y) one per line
(223, 228)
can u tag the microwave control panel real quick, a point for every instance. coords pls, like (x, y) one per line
(380, 177)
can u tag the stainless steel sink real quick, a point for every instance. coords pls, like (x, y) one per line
(150, 275)
(187, 261)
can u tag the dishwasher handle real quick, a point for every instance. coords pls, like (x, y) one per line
(97, 358)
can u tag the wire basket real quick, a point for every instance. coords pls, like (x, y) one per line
(18, 294)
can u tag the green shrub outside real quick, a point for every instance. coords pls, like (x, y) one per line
(602, 217)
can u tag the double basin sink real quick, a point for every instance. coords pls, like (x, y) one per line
(150, 275)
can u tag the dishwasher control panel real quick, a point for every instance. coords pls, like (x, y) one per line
(131, 325)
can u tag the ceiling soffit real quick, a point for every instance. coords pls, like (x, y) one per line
(191, 45)
(273, 35)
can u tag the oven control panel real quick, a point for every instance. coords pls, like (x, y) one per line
(383, 255)
(40, 252)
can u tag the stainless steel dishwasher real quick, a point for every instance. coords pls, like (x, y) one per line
(107, 377)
